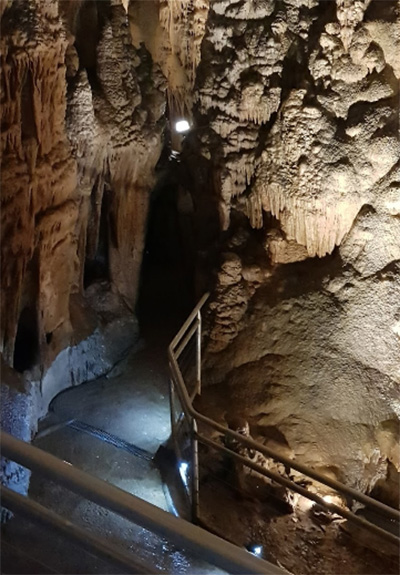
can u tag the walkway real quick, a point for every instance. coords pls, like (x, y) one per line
(111, 428)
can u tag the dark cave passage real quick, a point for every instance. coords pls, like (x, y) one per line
(26, 348)
(166, 293)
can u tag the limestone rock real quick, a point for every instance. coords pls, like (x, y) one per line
(82, 121)
(372, 244)
(39, 197)
(292, 169)
(231, 269)
(15, 400)
(172, 31)
(315, 352)
(238, 88)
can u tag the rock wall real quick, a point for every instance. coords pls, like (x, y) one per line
(82, 123)
(39, 196)
(115, 120)
(292, 167)
(297, 116)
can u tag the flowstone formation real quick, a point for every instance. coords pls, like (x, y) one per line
(82, 122)
(297, 129)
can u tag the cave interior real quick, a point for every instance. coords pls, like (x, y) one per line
(279, 195)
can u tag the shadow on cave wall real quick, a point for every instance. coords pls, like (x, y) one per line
(27, 346)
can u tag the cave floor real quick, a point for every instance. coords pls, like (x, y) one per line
(111, 428)
(299, 542)
(130, 404)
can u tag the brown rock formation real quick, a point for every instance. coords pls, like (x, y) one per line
(82, 118)
(39, 196)
(299, 104)
(113, 124)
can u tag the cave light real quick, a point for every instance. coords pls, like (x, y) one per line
(335, 499)
(183, 472)
(255, 550)
(182, 126)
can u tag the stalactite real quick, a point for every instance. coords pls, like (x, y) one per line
(53, 156)
(254, 211)
(252, 106)
(314, 223)
(350, 13)
(183, 25)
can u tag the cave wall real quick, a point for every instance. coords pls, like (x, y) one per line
(296, 133)
(82, 123)
(292, 166)
(39, 205)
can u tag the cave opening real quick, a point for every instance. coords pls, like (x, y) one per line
(166, 293)
(26, 349)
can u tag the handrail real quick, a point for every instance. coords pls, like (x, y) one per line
(33, 511)
(191, 412)
(189, 320)
(304, 492)
(181, 533)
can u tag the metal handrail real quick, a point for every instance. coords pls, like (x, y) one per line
(195, 416)
(33, 511)
(208, 547)
(289, 484)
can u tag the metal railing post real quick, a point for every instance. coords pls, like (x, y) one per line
(195, 473)
(172, 404)
(198, 353)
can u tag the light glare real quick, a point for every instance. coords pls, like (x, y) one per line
(183, 468)
(304, 504)
(182, 126)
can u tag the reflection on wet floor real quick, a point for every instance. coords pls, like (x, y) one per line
(130, 405)
(124, 470)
